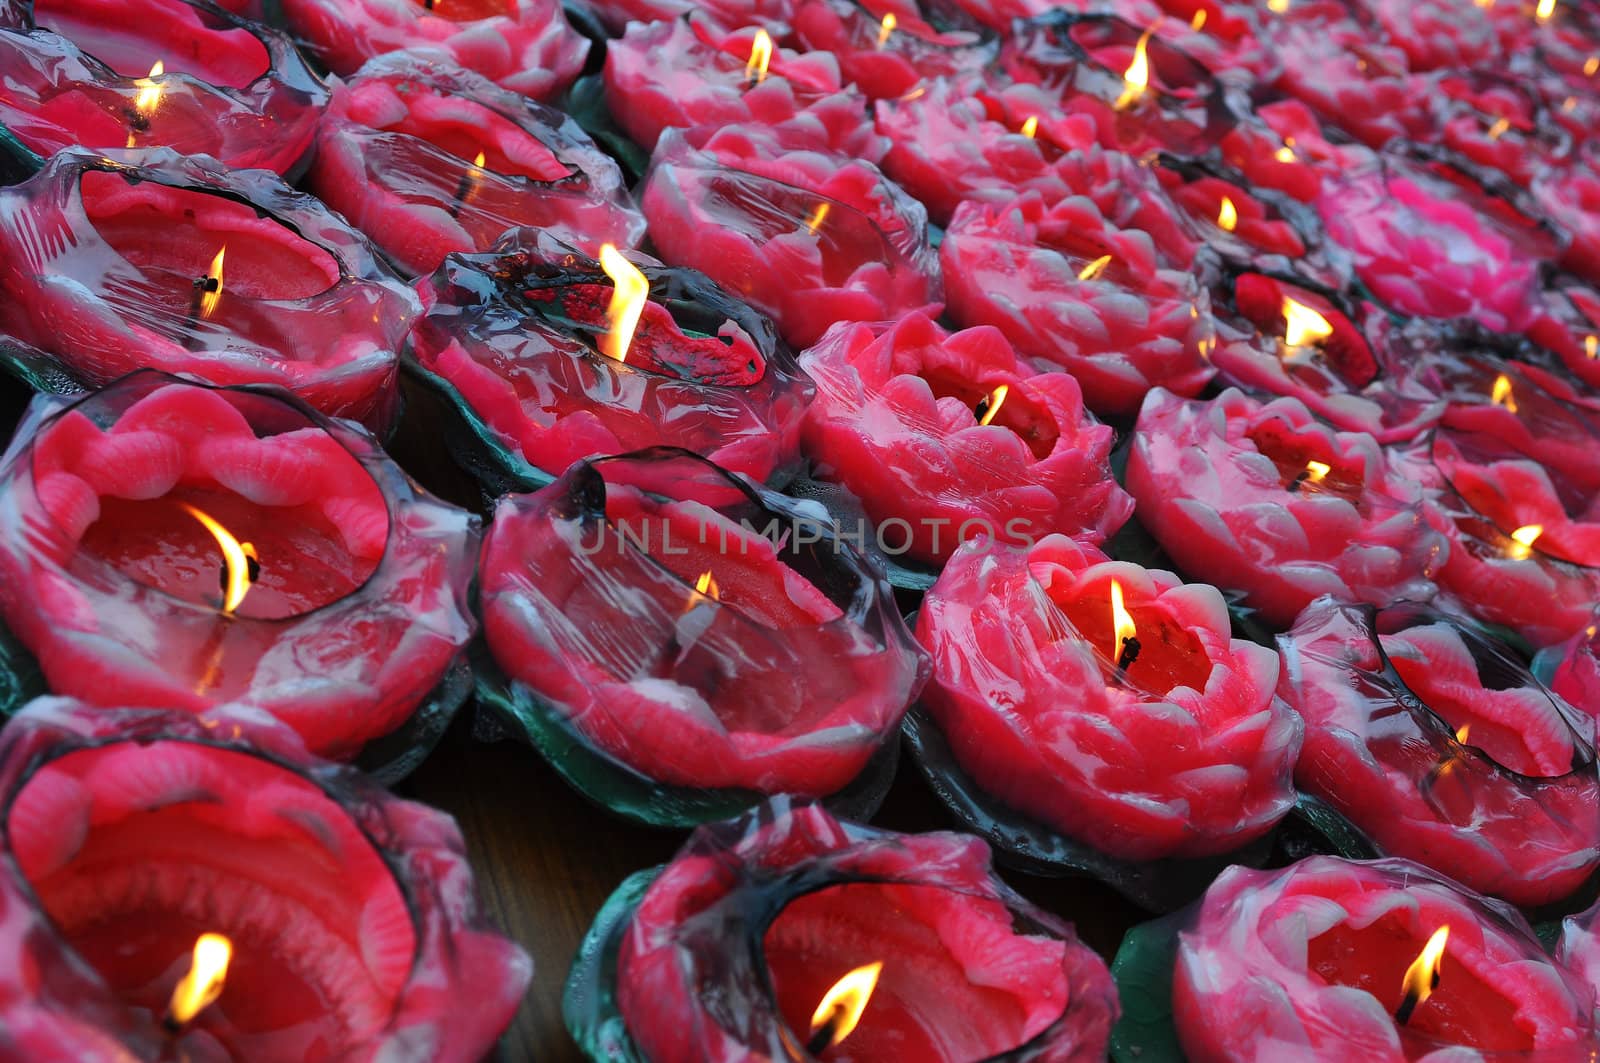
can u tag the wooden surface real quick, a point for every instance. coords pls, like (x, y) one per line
(546, 859)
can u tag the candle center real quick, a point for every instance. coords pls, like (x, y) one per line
(1168, 654)
(1305, 464)
(129, 38)
(465, 10)
(1003, 406)
(459, 128)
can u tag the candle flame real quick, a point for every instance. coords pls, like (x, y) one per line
(760, 55)
(1591, 64)
(1591, 345)
(477, 163)
(236, 558)
(1095, 268)
(1462, 732)
(1198, 23)
(1569, 104)
(1030, 126)
(1285, 153)
(202, 985)
(1317, 471)
(707, 585)
(818, 216)
(1524, 538)
(211, 287)
(1422, 977)
(1501, 394)
(1227, 214)
(629, 294)
(1137, 77)
(841, 1007)
(1499, 128)
(149, 92)
(993, 402)
(889, 23)
(1278, 7)
(1545, 9)
(1303, 325)
(1122, 624)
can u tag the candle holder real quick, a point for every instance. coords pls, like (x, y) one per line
(807, 237)
(690, 74)
(164, 262)
(753, 652)
(1090, 716)
(1142, 92)
(348, 913)
(1333, 953)
(949, 436)
(125, 519)
(726, 951)
(1435, 741)
(399, 155)
(1265, 502)
(524, 46)
(1073, 290)
(890, 47)
(229, 88)
(510, 339)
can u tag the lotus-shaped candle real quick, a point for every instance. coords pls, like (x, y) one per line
(949, 436)
(734, 14)
(887, 48)
(428, 159)
(807, 237)
(343, 917)
(1263, 500)
(172, 263)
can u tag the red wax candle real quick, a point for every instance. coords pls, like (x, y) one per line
(1494, 124)
(1571, 195)
(428, 159)
(1074, 291)
(1264, 499)
(948, 436)
(807, 237)
(1229, 215)
(515, 334)
(1347, 76)
(172, 263)
(1569, 326)
(114, 582)
(688, 73)
(734, 14)
(54, 96)
(1309, 962)
(772, 909)
(1441, 748)
(886, 48)
(185, 36)
(349, 912)
(1186, 751)
(1287, 150)
(525, 46)
(1576, 676)
(640, 598)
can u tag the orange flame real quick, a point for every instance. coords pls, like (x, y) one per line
(818, 216)
(840, 1011)
(1591, 345)
(1422, 977)
(629, 294)
(1278, 7)
(760, 55)
(884, 30)
(707, 585)
(1198, 23)
(211, 295)
(1501, 394)
(1499, 128)
(1030, 126)
(1316, 471)
(1227, 215)
(1524, 538)
(202, 985)
(993, 402)
(1303, 325)
(149, 92)
(1137, 77)
(1122, 625)
(1285, 153)
(1095, 268)
(1591, 64)
(236, 558)
(1545, 9)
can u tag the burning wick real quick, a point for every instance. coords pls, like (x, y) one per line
(1285, 153)
(1501, 395)
(1125, 635)
(1449, 765)
(1198, 23)
(207, 295)
(1095, 268)
(1227, 215)
(146, 100)
(1591, 345)
(1524, 538)
(1303, 326)
(202, 985)
(1278, 7)
(1422, 977)
(629, 293)
(889, 23)
(840, 1011)
(468, 184)
(704, 587)
(1137, 77)
(1030, 126)
(1545, 9)
(755, 71)
(240, 565)
(991, 404)
(818, 216)
(1314, 472)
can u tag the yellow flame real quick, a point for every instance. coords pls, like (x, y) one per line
(477, 163)
(1285, 153)
(1591, 345)
(1569, 103)
(1524, 538)
(1423, 974)
(1499, 128)
(1030, 126)
(1278, 7)
(1122, 625)
(841, 1006)
(202, 985)
(211, 296)
(629, 294)
(889, 23)
(1198, 23)
(1227, 214)
(149, 92)
(760, 55)
(1137, 77)
(236, 558)
(1462, 732)
(996, 399)
(1303, 325)
(1591, 64)
(818, 216)
(1317, 471)
(1501, 394)
(1095, 268)
(707, 585)
(1545, 9)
